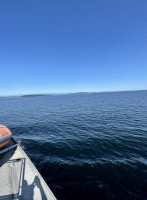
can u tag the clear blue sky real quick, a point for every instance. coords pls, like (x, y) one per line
(63, 46)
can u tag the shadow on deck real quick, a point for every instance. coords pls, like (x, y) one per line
(13, 184)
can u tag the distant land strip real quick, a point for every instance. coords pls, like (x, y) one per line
(26, 95)
(74, 93)
(36, 95)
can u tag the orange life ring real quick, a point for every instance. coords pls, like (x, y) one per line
(5, 135)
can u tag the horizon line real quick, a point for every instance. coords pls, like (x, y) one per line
(62, 93)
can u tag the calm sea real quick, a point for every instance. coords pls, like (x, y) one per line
(86, 146)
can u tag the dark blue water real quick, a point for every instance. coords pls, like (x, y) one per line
(86, 146)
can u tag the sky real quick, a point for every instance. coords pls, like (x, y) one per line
(63, 46)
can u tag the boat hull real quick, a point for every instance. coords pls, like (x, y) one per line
(19, 178)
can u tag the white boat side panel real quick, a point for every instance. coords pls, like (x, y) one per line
(28, 182)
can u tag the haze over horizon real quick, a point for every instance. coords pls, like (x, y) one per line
(52, 94)
(72, 46)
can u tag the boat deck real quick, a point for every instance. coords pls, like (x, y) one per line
(19, 179)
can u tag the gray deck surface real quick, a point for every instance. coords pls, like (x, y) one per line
(19, 179)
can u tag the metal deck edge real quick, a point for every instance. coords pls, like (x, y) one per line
(34, 169)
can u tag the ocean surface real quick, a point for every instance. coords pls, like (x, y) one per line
(86, 146)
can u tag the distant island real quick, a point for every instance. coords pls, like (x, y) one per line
(36, 95)
(74, 93)
(26, 95)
